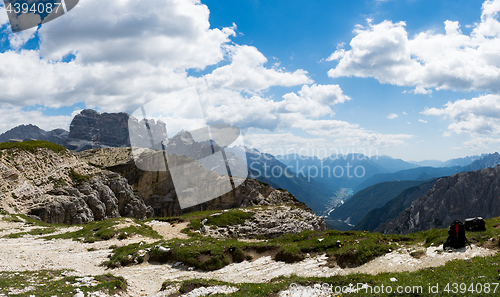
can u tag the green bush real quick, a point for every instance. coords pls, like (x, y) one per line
(32, 145)
(76, 177)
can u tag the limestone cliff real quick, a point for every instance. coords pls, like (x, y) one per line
(52, 184)
(158, 191)
(91, 129)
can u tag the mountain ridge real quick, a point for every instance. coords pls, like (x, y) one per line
(28, 132)
(462, 195)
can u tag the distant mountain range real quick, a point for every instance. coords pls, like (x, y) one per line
(30, 132)
(450, 163)
(490, 160)
(419, 173)
(379, 218)
(312, 180)
(343, 171)
(91, 129)
(264, 167)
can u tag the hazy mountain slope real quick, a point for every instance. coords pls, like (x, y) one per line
(449, 163)
(393, 208)
(354, 209)
(463, 195)
(32, 132)
(420, 173)
(338, 225)
(390, 164)
(335, 171)
(309, 191)
(461, 161)
(294, 161)
(429, 163)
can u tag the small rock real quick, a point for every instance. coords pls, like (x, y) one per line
(393, 279)
(163, 249)
(78, 293)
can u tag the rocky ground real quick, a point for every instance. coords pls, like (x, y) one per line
(30, 253)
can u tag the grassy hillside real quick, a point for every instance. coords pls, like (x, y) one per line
(474, 277)
(346, 249)
(368, 199)
(32, 145)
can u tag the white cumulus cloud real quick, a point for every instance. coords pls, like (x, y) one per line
(129, 52)
(480, 144)
(12, 117)
(392, 116)
(247, 72)
(477, 116)
(428, 60)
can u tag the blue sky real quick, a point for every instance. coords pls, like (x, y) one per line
(313, 75)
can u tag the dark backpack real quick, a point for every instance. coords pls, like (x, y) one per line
(475, 224)
(456, 236)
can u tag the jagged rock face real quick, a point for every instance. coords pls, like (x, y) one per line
(184, 144)
(272, 223)
(463, 195)
(157, 189)
(61, 187)
(32, 132)
(39, 183)
(373, 219)
(101, 198)
(91, 129)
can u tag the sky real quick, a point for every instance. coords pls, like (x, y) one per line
(412, 79)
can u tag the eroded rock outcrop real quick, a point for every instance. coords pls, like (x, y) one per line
(57, 187)
(91, 129)
(271, 223)
(157, 189)
(103, 197)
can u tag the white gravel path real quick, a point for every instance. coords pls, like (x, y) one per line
(31, 253)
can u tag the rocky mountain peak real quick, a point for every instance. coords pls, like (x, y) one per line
(182, 138)
(29, 132)
(89, 113)
(91, 129)
(460, 196)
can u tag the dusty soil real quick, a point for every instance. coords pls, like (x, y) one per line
(167, 230)
(32, 253)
